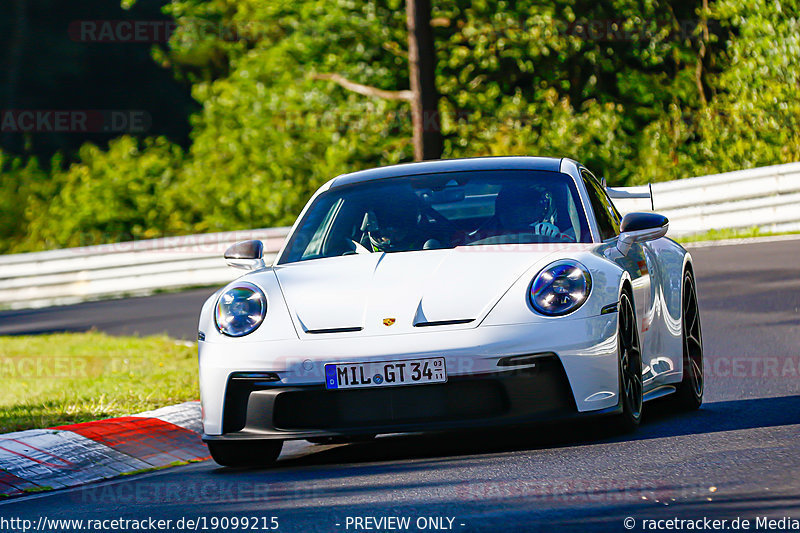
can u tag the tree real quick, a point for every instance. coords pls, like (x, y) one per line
(423, 96)
(422, 70)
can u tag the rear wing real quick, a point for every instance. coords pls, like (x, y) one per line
(626, 193)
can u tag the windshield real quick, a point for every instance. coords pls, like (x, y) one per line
(437, 211)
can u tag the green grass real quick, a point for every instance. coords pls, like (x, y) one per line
(50, 380)
(722, 234)
(34, 490)
(157, 468)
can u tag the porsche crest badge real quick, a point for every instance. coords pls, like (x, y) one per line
(389, 321)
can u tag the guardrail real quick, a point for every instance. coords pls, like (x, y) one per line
(767, 197)
(135, 268)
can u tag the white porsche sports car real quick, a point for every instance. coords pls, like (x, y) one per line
(448, 294)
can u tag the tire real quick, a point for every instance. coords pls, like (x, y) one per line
(630, 366)
(689, 395)
(245, 453)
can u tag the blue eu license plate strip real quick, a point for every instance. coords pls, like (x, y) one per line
(330, 377)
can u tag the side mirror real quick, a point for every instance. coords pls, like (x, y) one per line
(640, 227)
(247, 255)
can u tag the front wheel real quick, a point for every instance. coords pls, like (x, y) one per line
(630, 366)
(689, 395)
(245, 453)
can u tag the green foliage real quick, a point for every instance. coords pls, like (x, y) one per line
(639, 91)
(260, 155)
(753, 118)
(269, 134)
(128, 192)
(551, 125)
(19, 181)
(580, 80)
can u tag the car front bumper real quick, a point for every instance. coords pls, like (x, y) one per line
(579, 376)
(535, 393)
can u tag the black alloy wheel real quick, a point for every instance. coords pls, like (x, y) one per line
(690, 391)
(630, 365)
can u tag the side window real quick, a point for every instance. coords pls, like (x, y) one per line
(604, 211)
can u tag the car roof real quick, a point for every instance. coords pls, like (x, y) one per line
(551, 164)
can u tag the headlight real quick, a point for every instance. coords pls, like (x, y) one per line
(560, 288)
(240, 309)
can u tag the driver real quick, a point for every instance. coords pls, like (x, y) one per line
(526, 209)
(392, 225)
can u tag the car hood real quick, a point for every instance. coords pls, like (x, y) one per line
(390, 293)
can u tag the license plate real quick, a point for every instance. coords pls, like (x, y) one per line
(385, 373)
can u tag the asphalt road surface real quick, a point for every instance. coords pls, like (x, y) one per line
(737, 457)
(175, 314)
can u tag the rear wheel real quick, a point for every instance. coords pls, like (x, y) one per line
(245, 453)
(690, 391)
(630, 365)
